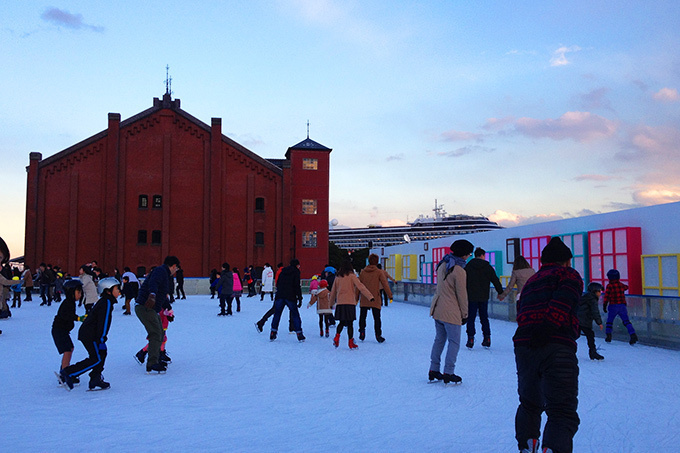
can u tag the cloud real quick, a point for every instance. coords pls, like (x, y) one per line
(497, 124)
(454, 136)
(656, 141)
(466, 150)
(508, 219)
(593, 178)
(560, 55)
(666, 95)
(659, 195)
(63, 18)
(596, 99)
(394, 157)
(578, 126)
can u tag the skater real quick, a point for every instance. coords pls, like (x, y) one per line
(4, 281)
(323, 307)
(154, 297)
(238, 288)
(130, 288)
(89, 287)
(16, 291)
(383, 294)
(213, 277)
(179, 278)
(521, 271)
(588, 311)
(288, 294)
(167, 316)
(27, 277)
(93, 334)
(249, 279)
(545, 353)
(225, 290)
(480, 275)
(374, 279)
(267, 282)
(344, 298)
(65, 320)
(615, 299)
(449, 308)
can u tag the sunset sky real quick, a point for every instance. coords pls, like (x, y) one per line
(520, 111)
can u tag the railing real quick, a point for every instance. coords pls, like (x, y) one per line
(656, 319)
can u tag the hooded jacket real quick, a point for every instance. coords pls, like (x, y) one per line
(373, 278)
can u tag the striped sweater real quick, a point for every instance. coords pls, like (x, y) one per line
(549, 302)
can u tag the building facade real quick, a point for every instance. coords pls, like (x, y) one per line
(164, 183)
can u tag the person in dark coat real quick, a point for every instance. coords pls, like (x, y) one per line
(480, 276)
(152, 298)
(288, 294)
(179, 278)
(545, 352)
(93, 334)
(588, 312)
(65, 320)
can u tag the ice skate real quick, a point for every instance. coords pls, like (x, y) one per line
(164, 357)
(608, 338)
(98, 381)
(336, 340)
(379, 339)
(272, 335)
(452, 378)
(633, 339)
(259, 326)
(434, 376)
(140, 357)
(532, 446)
(470, 343)
(158, 368)
(486, 342)
(301, 338)
(352, 344)
(362, 335)
(595, 356)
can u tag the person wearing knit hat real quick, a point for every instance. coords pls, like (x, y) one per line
(615, 299)
(449, 308)
(545, 353)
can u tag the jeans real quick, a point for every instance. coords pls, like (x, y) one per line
(444, 332)
(483, 308)
(279, 305)
(547, 381)
(621, 311)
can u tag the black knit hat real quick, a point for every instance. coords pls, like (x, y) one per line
(461, 247)
(556, 252)
(613, 274)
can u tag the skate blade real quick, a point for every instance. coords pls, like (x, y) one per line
(61, 382)
(97, 389)
(153, 372)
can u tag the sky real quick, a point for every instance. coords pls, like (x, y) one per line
(519, 111)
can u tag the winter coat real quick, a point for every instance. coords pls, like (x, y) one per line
(346, 289)
(322, 300)
(480, 275)
(450, 300)
(238, 287)
(89, 289)
(374, 279)
(159, 282)
(225, 284)
(267, 280)
(288, 284)
(519, 278)
(588, 310)
(5, 283)
(96, 326)
(66, 316)
(28, 279)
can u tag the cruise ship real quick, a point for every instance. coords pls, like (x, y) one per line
(421, 229)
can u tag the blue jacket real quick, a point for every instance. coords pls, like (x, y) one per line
(159, 283)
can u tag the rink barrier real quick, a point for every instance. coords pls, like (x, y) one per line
(656, 319)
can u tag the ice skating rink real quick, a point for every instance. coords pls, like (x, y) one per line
(230, 389)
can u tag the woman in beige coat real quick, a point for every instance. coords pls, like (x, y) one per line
(449, 309)
(521, 271)
(344, 298)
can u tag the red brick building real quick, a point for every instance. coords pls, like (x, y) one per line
(164, 183)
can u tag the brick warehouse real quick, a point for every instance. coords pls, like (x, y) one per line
(164, 183)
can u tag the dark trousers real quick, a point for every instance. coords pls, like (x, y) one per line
(226, 300)
(377, 324)
(271, 312)
(46, 294)
(481, 307)
(385, 299)
(180, 288)
(324, 319)
(154, 332)
(590, 336)
(29, 297)
(94, 363)
(279, 305)
(547, 380)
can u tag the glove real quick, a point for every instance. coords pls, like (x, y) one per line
(299, 304)
(391, 301)
(463, 321)
(101, 346)
(540, 336)
(82, 318)
(150, 301)
(171, 318)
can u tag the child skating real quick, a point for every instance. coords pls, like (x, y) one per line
(65, 320)
(588, 311)
(320, 297)
(615, 299)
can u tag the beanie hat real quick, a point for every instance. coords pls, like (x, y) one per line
(613, 274)
(462, 247)
(555, 252)
(323, 283)
(314, 277)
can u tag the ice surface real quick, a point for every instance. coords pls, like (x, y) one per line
(231, 389)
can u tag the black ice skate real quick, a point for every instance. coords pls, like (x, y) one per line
(164, 357)
(470, 343)
(272, 336)
(633, 338)
(301, 338)
(434, 376)
(159, 368)
(140, 357)
(452, 378)
(595, 356)
(486, 342)
(98, 383)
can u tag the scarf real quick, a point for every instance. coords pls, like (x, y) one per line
(451, 261)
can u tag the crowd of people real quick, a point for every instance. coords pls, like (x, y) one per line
(552, 311)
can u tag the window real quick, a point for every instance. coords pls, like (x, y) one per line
(143, 201)
(309, 238)
(259, 204)
(157, 201)
(310, 164)
(309, 206)
(156, 237)
(259, 238)
(141, 237)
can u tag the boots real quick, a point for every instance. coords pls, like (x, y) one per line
(633, 338)
(452, 378)
(336, 340)
(470, 343)
(532, 446)
(362, 335)
(98, 381)
(434, 376)
(327, 332)
(594, 355)
(140, 356)
(352, 344)
(300, 337)
(486, 342)
(321, 332)
(608, 338)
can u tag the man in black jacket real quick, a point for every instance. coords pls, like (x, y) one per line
(288, 292)
(480, 276)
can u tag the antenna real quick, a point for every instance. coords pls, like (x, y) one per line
(168, 80)
(308, 129)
